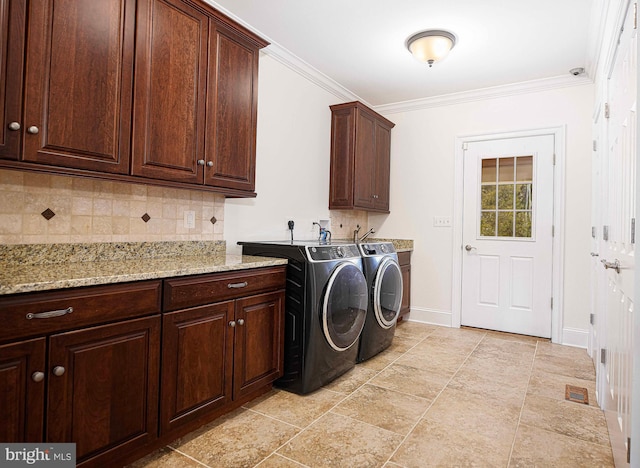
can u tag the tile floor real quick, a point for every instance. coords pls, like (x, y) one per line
(437, 397)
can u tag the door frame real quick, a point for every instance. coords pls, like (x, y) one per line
(557, 310)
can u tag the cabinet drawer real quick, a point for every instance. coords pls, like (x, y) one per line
(26, 314)
(180, 293)
(404, 258)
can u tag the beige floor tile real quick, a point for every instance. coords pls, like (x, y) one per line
(351, 380)
(507, 349)
(240, 439)
(441, 364)
(502, 371)
(434, 444)
(579, 369)
(298, 410)
(411, 380)
(516, 337)
(510, 393)
(536, 447)
(339, 441)
(469, 412)
(165, 458)
(564, 417)
(414, 329)
(554, 385)
(277, 461)
(381, 360)
(381, 407)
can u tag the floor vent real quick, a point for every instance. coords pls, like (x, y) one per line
(577, 394)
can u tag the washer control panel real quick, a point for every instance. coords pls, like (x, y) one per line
(323, 253)
(376, 248)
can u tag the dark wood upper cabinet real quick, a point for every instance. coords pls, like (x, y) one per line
(12, 29)
(170, 94)
(161, 92)
(78, 84)
(360, 158)
(232, 111)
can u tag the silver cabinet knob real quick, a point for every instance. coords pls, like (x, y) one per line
(58, 371)
(232, 324)
(240, 321)
(33, 130)
(200, 162)
(14, 126)
(209, 163)
(469, 248)
(37, 376)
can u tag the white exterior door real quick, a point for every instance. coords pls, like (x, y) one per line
(614, 306)
(507, 235)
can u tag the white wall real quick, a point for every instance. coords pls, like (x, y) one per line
(292, 167)
(422, 170)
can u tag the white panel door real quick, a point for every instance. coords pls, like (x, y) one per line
(617, 242)
(507, 235)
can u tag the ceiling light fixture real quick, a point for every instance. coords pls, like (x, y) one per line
(431, 46)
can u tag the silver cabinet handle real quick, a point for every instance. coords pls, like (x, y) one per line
(14, 126)
(469, 248)
(593, 254)
(37, 376)
(33, 130)
(210, 163)
(244, 284)
(58, 371)
(200, 162)
(240, 321)
(615, 265)
(53, 313)
(232, 324)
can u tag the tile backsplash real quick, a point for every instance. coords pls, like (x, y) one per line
(344, 222)
(46, 209)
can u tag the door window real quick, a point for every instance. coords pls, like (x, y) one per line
(345, 306)
(506, 197)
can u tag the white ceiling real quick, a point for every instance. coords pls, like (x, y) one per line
(360, 44)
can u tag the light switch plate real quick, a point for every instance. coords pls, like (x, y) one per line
(442, 221)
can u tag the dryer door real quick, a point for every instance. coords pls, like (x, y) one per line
(387, 293)
(344, 306)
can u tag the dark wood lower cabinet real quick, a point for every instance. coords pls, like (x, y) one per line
(404, 260)
(95, 377)
(22, 386)
(103, 388)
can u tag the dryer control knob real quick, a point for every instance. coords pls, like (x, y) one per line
(340, 252)
(383, 248)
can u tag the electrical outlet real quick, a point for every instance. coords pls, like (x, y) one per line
(442, 221)
(190, 219)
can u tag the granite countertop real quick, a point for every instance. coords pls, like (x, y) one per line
(41, 267)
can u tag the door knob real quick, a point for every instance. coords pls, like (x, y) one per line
(240, 321)
(58, 371)
(469, 248)
(37, 376)
(200, 162)
(33, 130)
(14, 126)
(232, 324)
(209, 163)
(615, 265)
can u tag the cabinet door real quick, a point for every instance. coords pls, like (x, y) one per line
(197, 363)
(365, 162)
(259, 345)
(12, 29)
(232, 112)
(382, 168)
(103, 387)
(342, 148)
(405, 308)
(79, 83)
(22, 391)
(170, 92)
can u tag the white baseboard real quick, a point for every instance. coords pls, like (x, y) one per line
(575, 337)
(430, 316)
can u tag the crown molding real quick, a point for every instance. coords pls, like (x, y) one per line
(285, 57)
(485, 93)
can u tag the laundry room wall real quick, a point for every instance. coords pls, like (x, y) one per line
(422, 169)
(292, 167)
